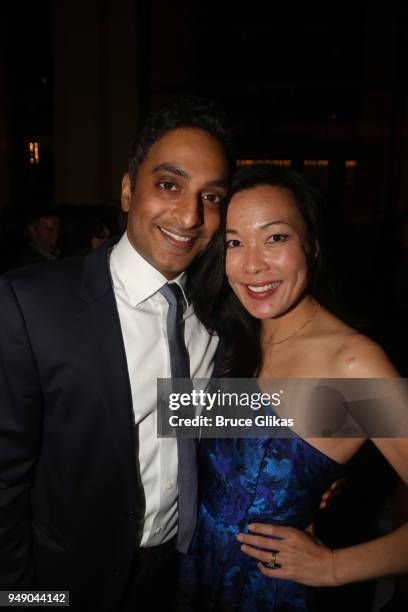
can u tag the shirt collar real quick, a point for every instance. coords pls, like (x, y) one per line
(134, 277)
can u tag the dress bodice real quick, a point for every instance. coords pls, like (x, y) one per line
(277, 480)
(271, 480)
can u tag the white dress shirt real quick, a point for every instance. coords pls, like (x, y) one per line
(143, 318)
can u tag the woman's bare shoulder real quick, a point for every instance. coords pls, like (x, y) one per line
(356, 355)
(361, 357)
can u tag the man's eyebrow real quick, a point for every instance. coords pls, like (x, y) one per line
(168, 167)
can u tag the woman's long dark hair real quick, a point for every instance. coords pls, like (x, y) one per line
(214, 301)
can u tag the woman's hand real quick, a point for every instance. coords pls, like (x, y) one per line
(300, 557)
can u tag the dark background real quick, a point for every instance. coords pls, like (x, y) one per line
(318, 86)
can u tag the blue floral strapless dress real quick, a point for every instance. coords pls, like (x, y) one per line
(268, 480)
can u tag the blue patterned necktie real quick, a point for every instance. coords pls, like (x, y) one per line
(179, 358)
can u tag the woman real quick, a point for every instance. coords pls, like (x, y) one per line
(256, 490)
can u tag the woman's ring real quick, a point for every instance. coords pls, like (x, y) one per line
(272, 563)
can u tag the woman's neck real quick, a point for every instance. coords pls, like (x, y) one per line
(284, 327)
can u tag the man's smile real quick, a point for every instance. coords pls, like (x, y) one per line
(181, 241)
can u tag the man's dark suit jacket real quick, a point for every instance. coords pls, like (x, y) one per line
(69, 502)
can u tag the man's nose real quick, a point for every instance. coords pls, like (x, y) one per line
(189, 212)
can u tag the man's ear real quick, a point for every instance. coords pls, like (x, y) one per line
(126, 195)
(317, 250)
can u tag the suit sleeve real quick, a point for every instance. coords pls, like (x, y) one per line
(20, 434)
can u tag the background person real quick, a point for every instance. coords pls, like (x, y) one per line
(43, 230)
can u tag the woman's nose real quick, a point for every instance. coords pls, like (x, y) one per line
(255, 262)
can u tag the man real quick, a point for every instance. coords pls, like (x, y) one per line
(90, 500)
(43, 229)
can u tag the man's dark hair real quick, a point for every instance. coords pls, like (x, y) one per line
(195, 113)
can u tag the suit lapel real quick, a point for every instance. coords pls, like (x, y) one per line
(100, 323)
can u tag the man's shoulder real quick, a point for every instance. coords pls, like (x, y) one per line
(51, 289)
(46, 290)
(41, 293)
(46, 274)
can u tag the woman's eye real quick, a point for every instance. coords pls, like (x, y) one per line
(167, 186)
(230, 244)
(277, 238)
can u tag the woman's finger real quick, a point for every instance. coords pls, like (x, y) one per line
(265, 556)
(258, 541)
(271, 530)
(277, 572)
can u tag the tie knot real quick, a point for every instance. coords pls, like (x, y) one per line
(173, 293)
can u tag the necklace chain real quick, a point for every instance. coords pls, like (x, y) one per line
(298, 330)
